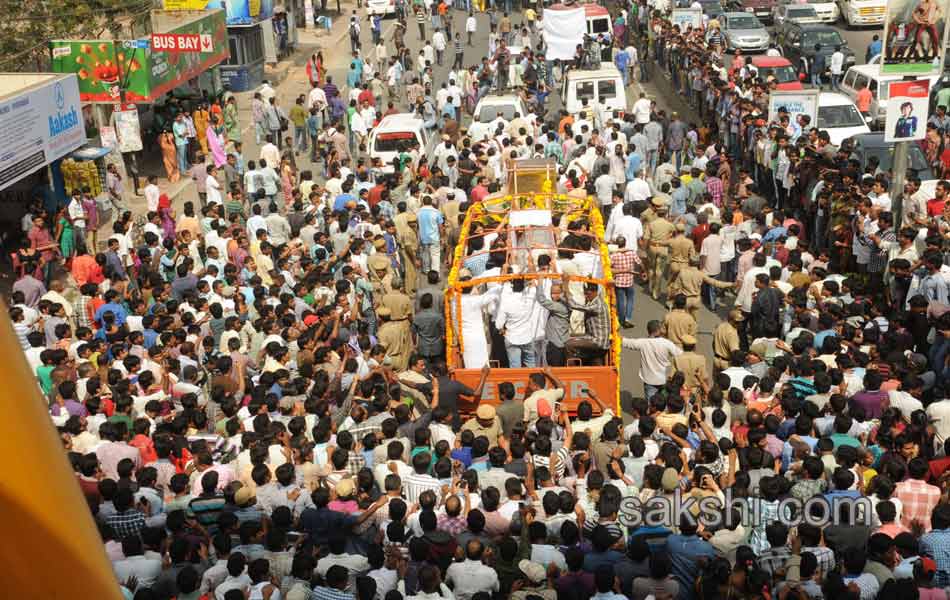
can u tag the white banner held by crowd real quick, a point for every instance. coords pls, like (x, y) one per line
(563, 31)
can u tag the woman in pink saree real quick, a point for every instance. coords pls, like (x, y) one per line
(215, 134)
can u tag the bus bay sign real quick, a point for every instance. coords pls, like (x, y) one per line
(182, 42)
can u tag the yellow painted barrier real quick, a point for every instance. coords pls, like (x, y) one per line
(51, 547)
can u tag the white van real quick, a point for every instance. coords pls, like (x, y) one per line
(386, 139)
(603, 87)
(862, 12)
(838, 115)
(860, 75)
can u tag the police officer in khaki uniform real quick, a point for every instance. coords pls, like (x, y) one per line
(396, 337)
(380, 268)
(656, 236)
(398, 303)
(408, 236)
(691, 364)
(689, 282)
(726, 340)
(679, 323)
(450, 209)
(649, 213)
(682, 250)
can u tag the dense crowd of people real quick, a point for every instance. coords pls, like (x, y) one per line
(256, 399)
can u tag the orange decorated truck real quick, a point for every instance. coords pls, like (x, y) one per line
(503, 239)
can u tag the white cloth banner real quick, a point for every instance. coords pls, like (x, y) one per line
(563, 31)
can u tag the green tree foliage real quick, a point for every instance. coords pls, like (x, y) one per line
(27, 26)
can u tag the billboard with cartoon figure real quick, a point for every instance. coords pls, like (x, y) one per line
(106, 68)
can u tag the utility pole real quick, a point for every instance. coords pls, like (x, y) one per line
(899, 168)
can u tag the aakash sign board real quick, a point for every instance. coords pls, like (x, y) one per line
(38, 126)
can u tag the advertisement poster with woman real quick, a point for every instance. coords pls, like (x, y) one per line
(915, 36)
(907, 105)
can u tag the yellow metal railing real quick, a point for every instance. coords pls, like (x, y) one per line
(496, 210)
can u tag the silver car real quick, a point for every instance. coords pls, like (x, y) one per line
(743, 31)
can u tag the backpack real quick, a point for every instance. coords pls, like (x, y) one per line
(354, 31)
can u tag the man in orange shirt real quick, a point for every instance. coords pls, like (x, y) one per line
(566, 119)
(864, 99)
(85, 269)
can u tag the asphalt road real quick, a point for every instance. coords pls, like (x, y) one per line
(859, 38)
(336, 49)
(646, 309)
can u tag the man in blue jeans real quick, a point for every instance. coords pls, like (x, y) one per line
(622, 263)
(817, 66)
(431, 224)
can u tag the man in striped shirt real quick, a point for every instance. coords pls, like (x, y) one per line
(421, 22)
(419, 481)
(714, 187)
(459, 52)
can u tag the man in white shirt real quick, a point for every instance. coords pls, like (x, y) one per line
(256, 222)
(455, 95)
(880, 199)
(394, 456)
(212, 187)
(736, 371)
(514, 321)
(479, 131)
(939, 414)
(317, 99)
(604, 187)
(642, 109)
(656, 357)
(471, 25)
(438, 42)
(152, 194)
(266, 92)
(709, 259)
(747, 289)
(626, 226)
(145, 569)
(78, 217)
(638, 190)
(905, 399)
(471, 576)
(356, 564)
(278, 228)
(837, 68)
(270, 154)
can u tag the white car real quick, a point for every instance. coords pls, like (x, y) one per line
(838, 115)
(827, 10)
(488, 108)
(380, 7)
(794, 13)
(395, 133)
